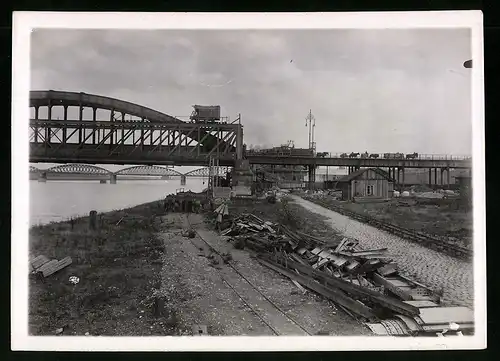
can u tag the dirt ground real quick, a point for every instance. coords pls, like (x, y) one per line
(200, 291)
(140, 275)
(117, 267)
(436, 217)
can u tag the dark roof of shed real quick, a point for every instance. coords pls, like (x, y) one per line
(355, 174)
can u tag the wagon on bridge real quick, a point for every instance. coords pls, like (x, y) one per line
(205, 114)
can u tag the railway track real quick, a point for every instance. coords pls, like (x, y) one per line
(269, 304)
(414, 236)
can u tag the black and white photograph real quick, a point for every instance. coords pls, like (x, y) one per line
(193, 177)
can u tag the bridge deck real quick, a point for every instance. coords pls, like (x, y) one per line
(363, 162)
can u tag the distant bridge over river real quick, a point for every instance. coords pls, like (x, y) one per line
(92, 172)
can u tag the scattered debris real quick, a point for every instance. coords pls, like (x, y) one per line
(364, 282)
(43, 266)
(74, 280)
(59, 331)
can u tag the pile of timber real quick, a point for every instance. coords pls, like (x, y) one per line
(365, 283)
(41, 265)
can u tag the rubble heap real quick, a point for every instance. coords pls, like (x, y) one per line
(365, 283)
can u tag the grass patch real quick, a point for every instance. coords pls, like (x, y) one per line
(118, 267)
(437, 217)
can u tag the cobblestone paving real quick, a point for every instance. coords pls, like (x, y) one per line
(436, 270)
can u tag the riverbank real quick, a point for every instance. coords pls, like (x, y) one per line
(140, 275)
(117, 265)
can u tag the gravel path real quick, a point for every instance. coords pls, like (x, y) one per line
(436, 270)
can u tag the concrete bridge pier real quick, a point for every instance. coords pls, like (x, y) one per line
(183, 180)
(42, 177)
(312, 176)
(112, 179)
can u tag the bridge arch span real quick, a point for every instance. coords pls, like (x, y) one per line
(79, 169)
(40, 98)
(148, 170)
(205, 172)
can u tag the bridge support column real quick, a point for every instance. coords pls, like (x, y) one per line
(36, 129)
(42, 177)
(442, 176)
(435, 176)
(403, 177)
(312, 176)
(430, 177)
(448, 177)
(183, 180)
(112, 179)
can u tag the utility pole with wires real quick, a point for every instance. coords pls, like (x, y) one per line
(312, 146)
(312, 124)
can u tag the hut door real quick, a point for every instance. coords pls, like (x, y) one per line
(369, 190)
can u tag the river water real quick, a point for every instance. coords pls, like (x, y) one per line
(60, 200)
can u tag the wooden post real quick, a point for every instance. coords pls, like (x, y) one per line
(92, 220)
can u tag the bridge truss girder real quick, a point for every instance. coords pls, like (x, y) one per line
(104, 141)
(148, 170)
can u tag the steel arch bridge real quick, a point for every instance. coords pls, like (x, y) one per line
(130, 134)
(79, 169)
(205, 172)
(86, 169)
(147, 170)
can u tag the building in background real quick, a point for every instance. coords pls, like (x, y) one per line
(366, 184)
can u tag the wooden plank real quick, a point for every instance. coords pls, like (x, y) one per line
(341, 245)
(298, 259)
(444, 326)
(48, 265)
(316, 251)
(331, 294)
(422, 303)
(337, 283)
(388, 269)
(415, 283)
(58, 266)
(438, 315)
(39, 261)
(302, 289)
(388, 285)
(369, 251)
(397, 283)
(352, 266)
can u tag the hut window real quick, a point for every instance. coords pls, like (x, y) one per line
(369, 190)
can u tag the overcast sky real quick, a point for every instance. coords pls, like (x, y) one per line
(369, 90)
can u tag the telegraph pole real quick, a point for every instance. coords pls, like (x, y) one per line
(312, 124)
